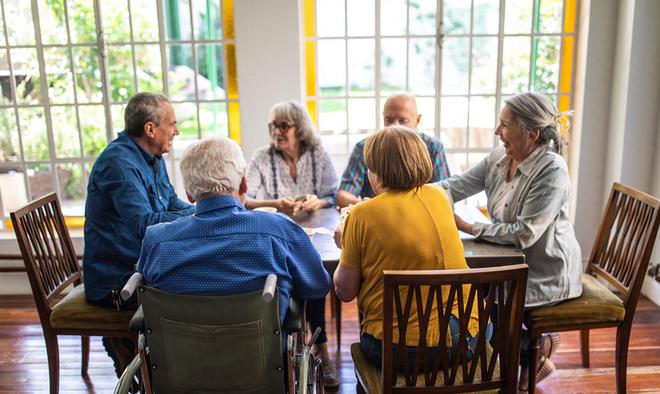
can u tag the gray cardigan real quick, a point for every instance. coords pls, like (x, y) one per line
(535, 219)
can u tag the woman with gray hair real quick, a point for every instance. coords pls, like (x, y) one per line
(527, 185)
(294, 172)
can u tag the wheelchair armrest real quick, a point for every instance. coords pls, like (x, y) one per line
(137, 321)
(293, 320)
(130, 286)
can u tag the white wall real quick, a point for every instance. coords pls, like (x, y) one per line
(268, 60)
(619, 126)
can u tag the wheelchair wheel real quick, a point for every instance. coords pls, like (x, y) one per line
(309, 375)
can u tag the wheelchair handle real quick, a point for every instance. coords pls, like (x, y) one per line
(269, 287)
(130, 286)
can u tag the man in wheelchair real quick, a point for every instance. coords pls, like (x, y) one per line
(224, 250)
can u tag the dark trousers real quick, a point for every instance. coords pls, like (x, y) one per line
(315, 312)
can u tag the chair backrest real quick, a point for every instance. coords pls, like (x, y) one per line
(49, 257)
(625, 241)
(213, 343)
(501, 288)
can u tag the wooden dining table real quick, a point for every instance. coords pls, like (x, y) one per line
(321, 224)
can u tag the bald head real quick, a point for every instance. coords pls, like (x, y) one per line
(401, 109)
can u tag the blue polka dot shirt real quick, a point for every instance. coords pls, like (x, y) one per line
(224, 249)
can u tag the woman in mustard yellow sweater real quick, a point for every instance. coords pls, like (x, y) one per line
(408, 226)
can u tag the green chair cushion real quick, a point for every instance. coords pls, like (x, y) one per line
(74, 312)
(597, 304)
(370, 377)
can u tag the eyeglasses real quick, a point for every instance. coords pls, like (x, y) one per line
(282, 126)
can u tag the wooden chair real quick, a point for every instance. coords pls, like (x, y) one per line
(620, 257)
(490, 368)
(52, 267)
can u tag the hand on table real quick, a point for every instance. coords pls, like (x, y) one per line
(288, 205)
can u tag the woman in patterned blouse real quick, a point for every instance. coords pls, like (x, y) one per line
(294, 172)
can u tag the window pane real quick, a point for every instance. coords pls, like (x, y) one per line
(141, 12)
(361, 69)
(393, 64)
(456, 16)
(330, 21)
(65, 131)
(551, 16)
(332, 116)
(9, 136)
(546, 75)
(518, 16)
(89, 88)
(186, 116)
(20, 30)
(455, 66)
(72, 186)
(117, 113)
(41, 180)
(453, 121)
(486, 17)
(120, 68)
(457, 163)
(51, 17)
(115, 21)
(207, 19)
(515, 65)
(58, 73)
(332, 67)
(361, 17)
(33, 131)
(337, 148)
(3, 41)
(484, 65)
(482, 121)
(12, 189)
(26, 71)
(92, 125)
(177, 20)
(361, 115)
(421, 71)
(149, 68)
(392, 17)
(82, 19)
(213, 118)
(210, 77)
(426, 108)
(181, 77)
(422, 17)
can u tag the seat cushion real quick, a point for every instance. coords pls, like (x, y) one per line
(73, 312)
(597, 304)
(370, 377)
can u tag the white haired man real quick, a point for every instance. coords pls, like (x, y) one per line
(223, 248)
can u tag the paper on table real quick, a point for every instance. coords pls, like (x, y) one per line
(318, 230)
(470, 214)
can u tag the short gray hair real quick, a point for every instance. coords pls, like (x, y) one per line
(534, 111)
(143, 108)
(211, 167)
(295, 113)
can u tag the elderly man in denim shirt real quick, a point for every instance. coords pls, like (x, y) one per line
(128, 191)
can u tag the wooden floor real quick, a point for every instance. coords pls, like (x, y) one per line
(24, 369)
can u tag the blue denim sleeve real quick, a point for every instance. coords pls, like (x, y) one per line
(130, 199)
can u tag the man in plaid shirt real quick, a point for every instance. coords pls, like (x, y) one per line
(399, 109)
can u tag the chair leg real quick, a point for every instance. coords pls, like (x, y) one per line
(52, 349)
(85, 355)
(337, 320)
(535, 342)
(622, 340)
(584, 347)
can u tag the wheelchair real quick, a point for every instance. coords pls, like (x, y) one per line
(219, 344)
